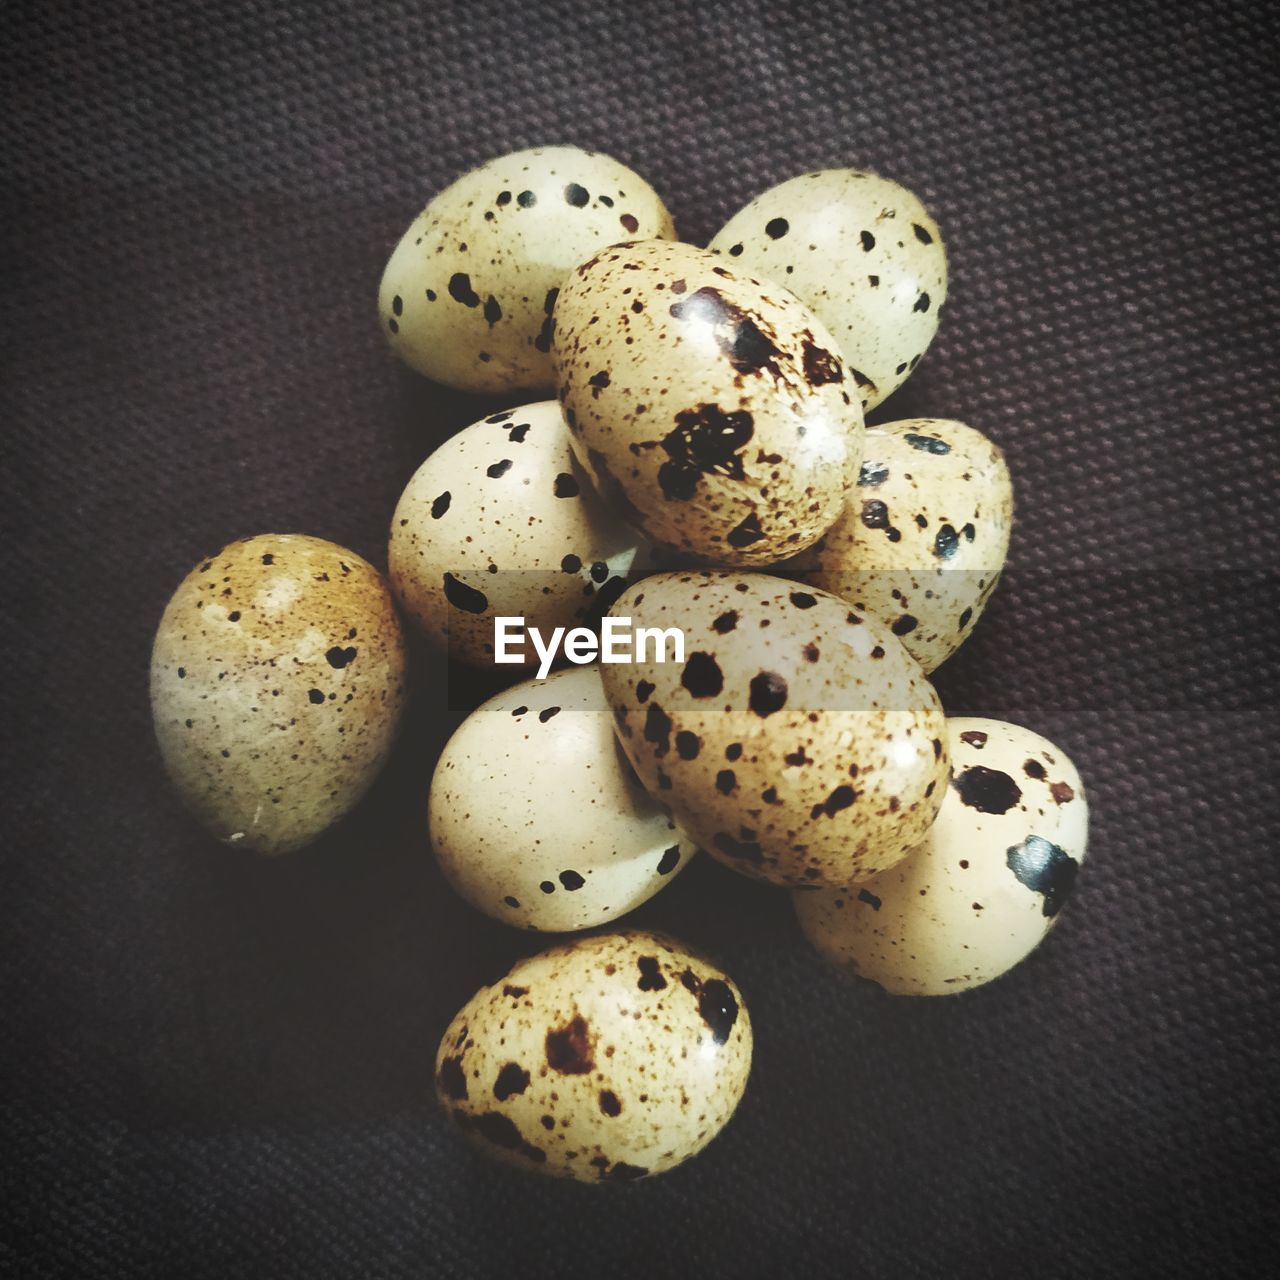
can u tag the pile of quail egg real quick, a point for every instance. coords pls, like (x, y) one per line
(703, 465)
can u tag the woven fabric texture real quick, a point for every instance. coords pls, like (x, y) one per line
(220, 1067)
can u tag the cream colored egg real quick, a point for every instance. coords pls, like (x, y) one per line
(501, 522)
(797, 741)
(536, 816)
(468, 293)
(277, 683)
(923, 538)
(710, 407)
(606, 1060)
(860, 250)
(986, 885)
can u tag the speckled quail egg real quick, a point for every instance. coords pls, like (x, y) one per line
(860, 250)
(984, 887)
(501, 522)
(609, 1059)
(468, 293)
(711, 407)
(923, 538)
(277, 683)
(536, 816)
(797, 742)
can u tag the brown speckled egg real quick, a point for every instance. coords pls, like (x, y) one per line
(277, 683)
(860, 250)
(536, 816)
(712, 408)
(923, 537)
(609, 1059)
(798, 742)
(468, 293)
(986, 885)
(501, 522)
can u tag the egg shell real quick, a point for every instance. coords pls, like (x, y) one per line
(798, 742)
(467, 295)
(609, 1059)
(501, 522)
(864, 253)
(983, 888)
(536, 815)
(711, 408)
(923, 538)
(277, 685)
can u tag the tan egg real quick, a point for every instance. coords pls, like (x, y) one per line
(923, 538)
(797, 742)
(501, 522)
(711, 408)
(860, 250)
(609, 1059)
(986, 885)
(277, 683)
(468, 293)
(536, 816)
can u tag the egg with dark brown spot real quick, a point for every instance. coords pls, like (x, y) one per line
(711, 408)
(985, 886)
(796, 741)
(500, 521)
(468, 294)
(864, 253)
(277, 686)
(923, 537)
(536, 816)
(609, 1059)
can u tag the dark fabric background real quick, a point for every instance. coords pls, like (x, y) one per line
(216, 1066)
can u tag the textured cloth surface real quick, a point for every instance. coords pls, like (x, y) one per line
(215, 1066)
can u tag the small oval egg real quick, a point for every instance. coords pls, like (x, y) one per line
(711, 408)
(536, 816)
(986, 885)
(468, 293)
(923, 538)
(860, 250)
(606, 1060)
(797, 742)
(500, 521)
(277, 684)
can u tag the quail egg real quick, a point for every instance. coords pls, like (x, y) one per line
(277, 684)
(790, 734)
(983, 888)
(923, 538)
(711, 408)
(536, 816)
(501, 522)
(864, 253)
(468, 293)
(609, 1059)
